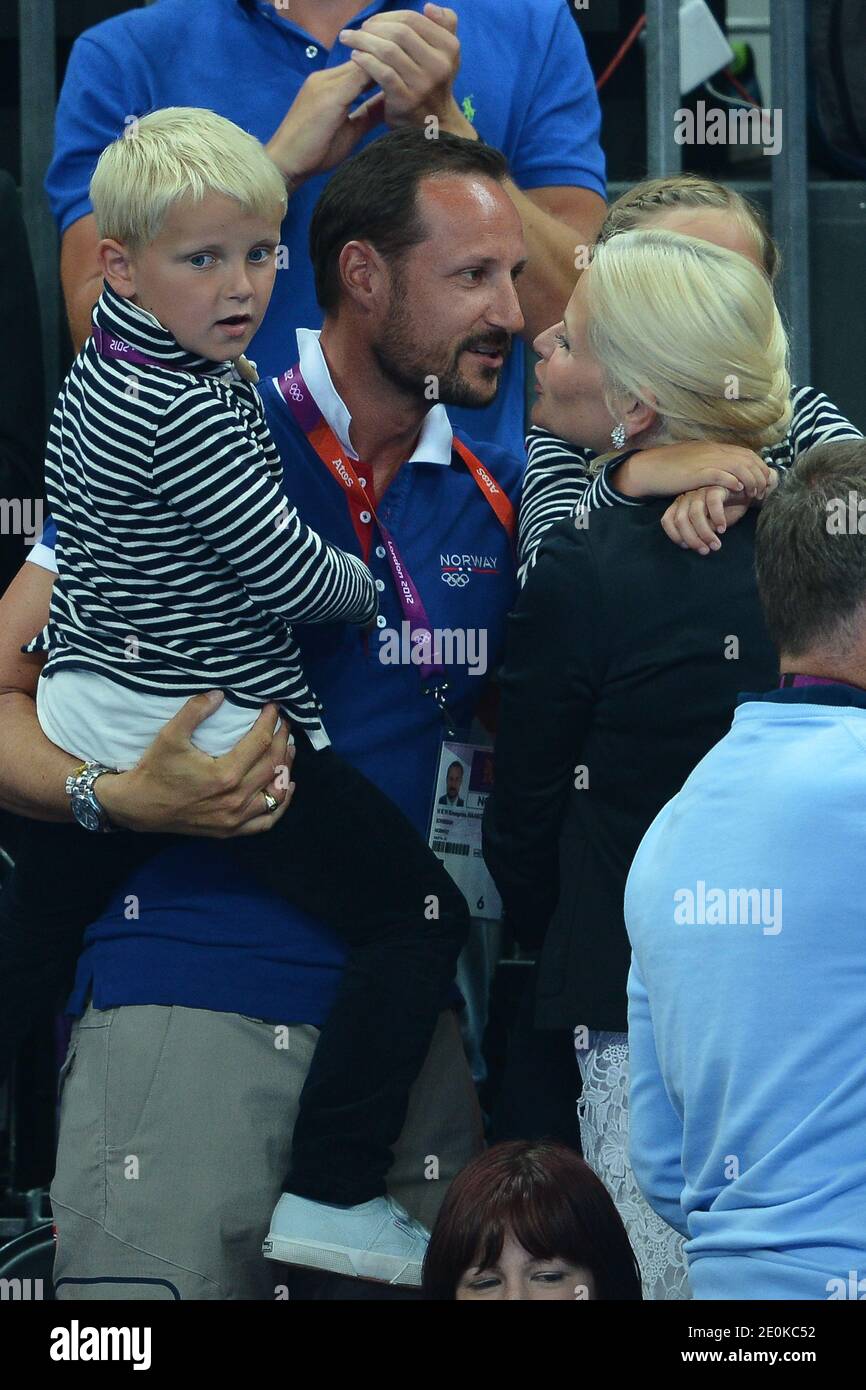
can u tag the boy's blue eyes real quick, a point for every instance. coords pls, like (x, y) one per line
(258, 255)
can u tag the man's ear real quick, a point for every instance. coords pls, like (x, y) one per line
(117, 266)
(362, 273)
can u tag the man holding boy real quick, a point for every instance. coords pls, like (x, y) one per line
(194, 1009)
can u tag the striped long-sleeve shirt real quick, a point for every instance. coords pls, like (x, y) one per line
(558, 477)
(181, 564)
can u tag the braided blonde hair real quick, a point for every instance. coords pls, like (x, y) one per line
(638, 206)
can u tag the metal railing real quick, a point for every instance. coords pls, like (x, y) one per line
(791, 176)
(789, 168)
(664, 155)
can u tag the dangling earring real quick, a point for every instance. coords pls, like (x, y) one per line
(618, 435)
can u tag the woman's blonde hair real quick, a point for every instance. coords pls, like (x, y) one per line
(177, 152)
(692, 330)
(639, 206)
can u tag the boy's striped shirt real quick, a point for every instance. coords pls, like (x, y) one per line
(181, 563)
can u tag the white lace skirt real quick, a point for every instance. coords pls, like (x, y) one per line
(603, 1114)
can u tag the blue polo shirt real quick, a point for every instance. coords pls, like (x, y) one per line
(524, 82)
(207, 936)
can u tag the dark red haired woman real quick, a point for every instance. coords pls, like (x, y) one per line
(529, 1220)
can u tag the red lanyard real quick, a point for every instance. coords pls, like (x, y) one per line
(499, 500)
(299, 399)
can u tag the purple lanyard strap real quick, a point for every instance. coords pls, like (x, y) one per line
(299, 399)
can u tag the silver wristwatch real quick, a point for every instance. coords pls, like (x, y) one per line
(85, 807)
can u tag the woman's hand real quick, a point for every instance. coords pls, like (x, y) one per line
(697, 519)
(176, 789)
(672, 469)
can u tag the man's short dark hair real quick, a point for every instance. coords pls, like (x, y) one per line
(459, 767)
(373, 197)
(810, 552)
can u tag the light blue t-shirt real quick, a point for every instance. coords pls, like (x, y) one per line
(524, 82)
(747, 1003)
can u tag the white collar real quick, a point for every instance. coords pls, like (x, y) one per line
(434, 441)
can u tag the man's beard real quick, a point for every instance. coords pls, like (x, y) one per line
(412, 366)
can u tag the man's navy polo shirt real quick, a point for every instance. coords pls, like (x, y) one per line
(206, 935)
(524, 82)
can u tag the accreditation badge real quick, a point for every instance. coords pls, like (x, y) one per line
(464, 780)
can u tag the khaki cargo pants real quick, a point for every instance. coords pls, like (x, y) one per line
(175, 1136)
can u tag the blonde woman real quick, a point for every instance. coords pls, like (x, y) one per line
(625, 654)
(558, 477)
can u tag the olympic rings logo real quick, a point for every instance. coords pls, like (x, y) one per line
(295, 391)
(455, 581)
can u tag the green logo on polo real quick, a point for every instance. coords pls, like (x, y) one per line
(468, 109)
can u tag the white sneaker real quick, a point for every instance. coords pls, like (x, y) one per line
(376, 1240)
